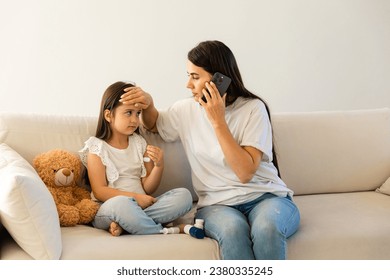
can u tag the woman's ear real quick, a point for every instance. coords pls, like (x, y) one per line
(107, 115)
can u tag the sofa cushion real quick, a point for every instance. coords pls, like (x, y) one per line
(27, 209)
(348, 226)
(87, 243)
(141, 247)
(327, 152)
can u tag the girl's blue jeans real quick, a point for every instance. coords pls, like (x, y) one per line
(255, 230)
(132, 218)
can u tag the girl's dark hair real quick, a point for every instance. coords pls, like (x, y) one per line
(215, 56)
(110, 101)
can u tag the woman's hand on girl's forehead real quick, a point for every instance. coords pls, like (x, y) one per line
(136, 96)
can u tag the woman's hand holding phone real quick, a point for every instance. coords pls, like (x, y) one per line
(221, 82)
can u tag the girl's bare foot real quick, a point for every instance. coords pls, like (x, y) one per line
(115, 229)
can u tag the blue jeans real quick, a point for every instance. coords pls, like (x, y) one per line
(255, 230)
(132, 218)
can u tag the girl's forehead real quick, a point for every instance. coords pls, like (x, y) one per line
(122, 106)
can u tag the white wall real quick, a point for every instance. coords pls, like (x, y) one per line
(58, 56)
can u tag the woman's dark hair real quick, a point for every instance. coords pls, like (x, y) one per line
(215, 56)
(110, 101)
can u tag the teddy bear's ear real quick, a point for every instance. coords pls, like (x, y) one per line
(40, 161)
(36, 161)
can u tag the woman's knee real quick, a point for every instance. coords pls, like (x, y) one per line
(275, 216)
(267, 230)
(223, 222)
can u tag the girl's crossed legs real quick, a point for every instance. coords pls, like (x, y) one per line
(127, 214)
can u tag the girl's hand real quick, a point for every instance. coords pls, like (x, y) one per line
(152, 180)
(136, 96)
(156, 155)
(144, 200)
(215, 105)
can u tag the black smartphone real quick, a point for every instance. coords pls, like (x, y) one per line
(221, 81)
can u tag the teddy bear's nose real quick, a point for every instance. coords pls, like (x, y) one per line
(66, 172)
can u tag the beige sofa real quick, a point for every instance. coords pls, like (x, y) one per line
(337, 163)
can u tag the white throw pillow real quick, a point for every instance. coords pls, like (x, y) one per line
(27, 208)
(385, 188)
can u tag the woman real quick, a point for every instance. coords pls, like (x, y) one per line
(246, 207)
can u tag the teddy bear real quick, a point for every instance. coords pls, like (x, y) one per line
(60, 170)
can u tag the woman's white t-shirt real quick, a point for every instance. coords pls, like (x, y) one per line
(124, 167)
(213, 179)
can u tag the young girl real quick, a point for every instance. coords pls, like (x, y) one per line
(124, 171)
